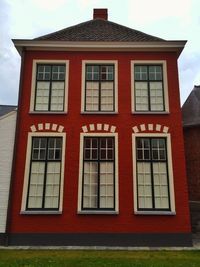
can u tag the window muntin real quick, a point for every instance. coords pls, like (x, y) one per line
(45, 174)
(50, 87)
(99, 88)
(152, 174)
(98, 173)
(149, 91)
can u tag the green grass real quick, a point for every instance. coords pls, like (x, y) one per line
(62, 258)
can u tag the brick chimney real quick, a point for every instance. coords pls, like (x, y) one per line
(100, 13)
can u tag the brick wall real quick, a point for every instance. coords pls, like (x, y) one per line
(192, 154)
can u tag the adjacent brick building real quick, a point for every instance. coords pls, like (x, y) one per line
(191, 127)
(100, 153)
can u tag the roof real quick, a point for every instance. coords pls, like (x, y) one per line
(99, 34)
(5, 109)
(191, 108)
(99, 30)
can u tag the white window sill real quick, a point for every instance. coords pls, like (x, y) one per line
(155, 213)
(96, 212)
(48, 112)
(150, 112)
(98, 112)
(40, 212)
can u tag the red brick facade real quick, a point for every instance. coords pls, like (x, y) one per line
(125, 221)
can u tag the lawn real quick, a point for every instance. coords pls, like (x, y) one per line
(62, 258)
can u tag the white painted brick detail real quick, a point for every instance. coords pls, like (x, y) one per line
(85, 129)
(54, 127)
(165, 129)
(99, 126)
(150, 127)
(158, 127)
(142, 127)
(33, 128)
(60, 128)
(92, 127)
(47, 126)
(112, 129)
(106, 127)
(135, 129)
(40, 126)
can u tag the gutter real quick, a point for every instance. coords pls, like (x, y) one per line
(176, 46)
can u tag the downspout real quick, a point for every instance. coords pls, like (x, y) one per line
(8, 219)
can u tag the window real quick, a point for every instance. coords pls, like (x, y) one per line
(45, 174)
(99, 87)
(98, 173)
(152, 174)
(50, 85)
(49, 91)
(150, 87)
(98, 176)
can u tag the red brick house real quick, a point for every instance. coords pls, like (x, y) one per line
(100, 153)
(191, 131)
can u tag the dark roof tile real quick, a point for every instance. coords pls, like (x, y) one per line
(99, 30)
(4, 109)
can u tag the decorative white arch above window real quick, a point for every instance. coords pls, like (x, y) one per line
(99, 127)
(47, 126)
(150, 128)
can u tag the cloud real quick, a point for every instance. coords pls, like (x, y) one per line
(189, 73)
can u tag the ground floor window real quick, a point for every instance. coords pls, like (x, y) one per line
(152, 176)
(98, 175)
(44, 174)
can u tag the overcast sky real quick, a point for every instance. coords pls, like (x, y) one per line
(170, 20)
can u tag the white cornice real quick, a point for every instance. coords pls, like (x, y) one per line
(176, 46)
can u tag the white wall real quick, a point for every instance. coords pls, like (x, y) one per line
(7, 136)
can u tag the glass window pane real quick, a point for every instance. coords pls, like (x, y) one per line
(90, 184)
(52, 185)
(42, 95)
(156, 96)
(141, 96)
(92, 96)
(144, 185)
(43, 72)
(140, 73)
(155, 73)
(36, 185)
(58, 72)
(106, 185)
(92, 73)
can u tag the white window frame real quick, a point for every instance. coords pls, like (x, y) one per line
(27, 170)
(33, 84)
(101, 62)
(170, 174)
(80, 211)
(165, 85)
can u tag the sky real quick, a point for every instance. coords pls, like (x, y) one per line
(27, 19)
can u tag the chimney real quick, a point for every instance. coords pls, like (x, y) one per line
(100, 13)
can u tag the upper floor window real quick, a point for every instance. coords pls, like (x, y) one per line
(49, 86)
(150, 87)
(100, 87)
